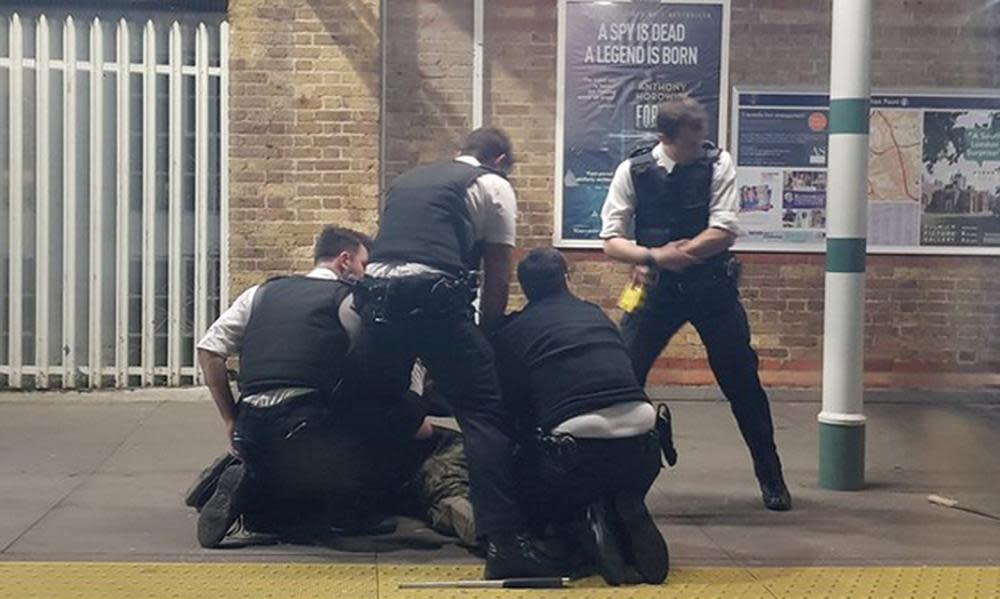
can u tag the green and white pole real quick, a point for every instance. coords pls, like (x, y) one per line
(842, 420)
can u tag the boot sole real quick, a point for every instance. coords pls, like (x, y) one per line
(219, 513)
(603, 546)
(201, 490)
(782, 506)
(646, 549)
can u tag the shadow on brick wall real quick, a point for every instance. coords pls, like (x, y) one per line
(354, 25)
(429, 81)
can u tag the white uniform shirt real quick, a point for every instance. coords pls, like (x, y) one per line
(628, 419)
(492, 205)
(618, 213)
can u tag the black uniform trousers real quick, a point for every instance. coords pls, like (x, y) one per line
(712, 304)
(462, 363)
(307, 466)
(310, 467)
(558, 476)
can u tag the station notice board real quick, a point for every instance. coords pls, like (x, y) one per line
(933, 171)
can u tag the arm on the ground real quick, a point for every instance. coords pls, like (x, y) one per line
(416, 393)
(425, 431)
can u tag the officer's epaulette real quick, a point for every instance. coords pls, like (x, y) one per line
(712, 151)
(641, 159)
(644, 149)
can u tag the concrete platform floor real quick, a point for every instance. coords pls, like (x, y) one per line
(100, 478)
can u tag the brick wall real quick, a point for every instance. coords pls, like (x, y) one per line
(428, 81)
(305, 150)
(932, 321)
(304, 128)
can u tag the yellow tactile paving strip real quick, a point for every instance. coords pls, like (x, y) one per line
(83, 580)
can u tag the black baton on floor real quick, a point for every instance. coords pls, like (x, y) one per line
(506, 583)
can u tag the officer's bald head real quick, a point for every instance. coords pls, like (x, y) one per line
(542, 273)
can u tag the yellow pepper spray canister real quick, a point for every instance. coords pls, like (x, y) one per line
(632, 297)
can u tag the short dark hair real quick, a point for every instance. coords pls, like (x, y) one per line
(334, 240)
(673, 115)
(542, 273)
(488, 143)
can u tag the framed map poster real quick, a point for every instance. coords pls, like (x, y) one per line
(933, 174)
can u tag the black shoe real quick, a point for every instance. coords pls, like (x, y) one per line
(221, 511)
(642, 543)
(601, 541)
(632, 575)
(665, 431)
(775, 495)
(200, 492)
(566, 549)
(515, 556)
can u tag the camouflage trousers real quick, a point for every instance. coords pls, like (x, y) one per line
(437, 489)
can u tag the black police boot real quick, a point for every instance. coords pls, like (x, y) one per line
(223, 508)
(775, 494)
(513, 555)
(203, 487)
(643, 545)
(601, 541)
(665, 431)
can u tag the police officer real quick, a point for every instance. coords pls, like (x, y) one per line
(581, 415)
(440, 222)
(678, 202)
(311, 451)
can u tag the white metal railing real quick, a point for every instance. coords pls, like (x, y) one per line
(114, 149)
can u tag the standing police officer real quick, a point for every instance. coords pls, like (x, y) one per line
(440, 222)
(679, 203)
